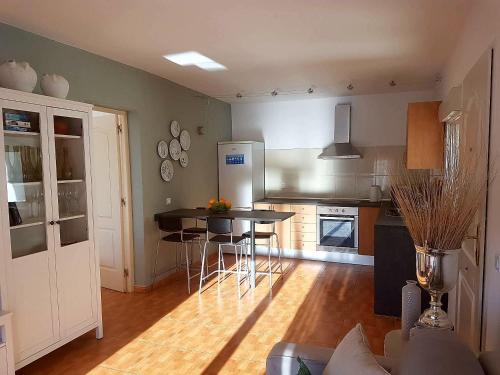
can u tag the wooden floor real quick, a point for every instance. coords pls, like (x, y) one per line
(169, 332)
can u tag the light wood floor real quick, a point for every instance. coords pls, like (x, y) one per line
(169, 332)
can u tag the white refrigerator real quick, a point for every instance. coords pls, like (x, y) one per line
(241, 175)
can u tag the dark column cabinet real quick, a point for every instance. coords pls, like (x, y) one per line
(394, 263)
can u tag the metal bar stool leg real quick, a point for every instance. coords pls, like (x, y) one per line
(237, 270)
(202, 268)
(279, 254)
(156, 261)
(270, 264)
(218, 267)
(187, 268)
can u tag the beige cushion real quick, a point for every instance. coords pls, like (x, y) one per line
(353, 356)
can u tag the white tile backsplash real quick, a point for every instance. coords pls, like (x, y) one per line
(299, 172)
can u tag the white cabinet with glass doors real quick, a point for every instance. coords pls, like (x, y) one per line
(52, 274)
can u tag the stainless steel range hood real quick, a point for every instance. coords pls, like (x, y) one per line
(341, 148)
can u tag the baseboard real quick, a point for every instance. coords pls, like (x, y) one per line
(160, 280)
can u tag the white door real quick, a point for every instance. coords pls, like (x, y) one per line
(107, 199)
(29, 234)
(69, 143)
(474, 137)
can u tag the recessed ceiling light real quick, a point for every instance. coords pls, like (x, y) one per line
(195, 58)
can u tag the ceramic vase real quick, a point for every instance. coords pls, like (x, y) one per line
(17, 76)
(437, 273)
(410, 307)
(54, 85)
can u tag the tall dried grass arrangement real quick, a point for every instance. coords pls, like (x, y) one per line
(439, 209)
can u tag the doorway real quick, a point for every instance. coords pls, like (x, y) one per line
(112, 198)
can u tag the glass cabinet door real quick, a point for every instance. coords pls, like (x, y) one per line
(69, 161)
(26, 168)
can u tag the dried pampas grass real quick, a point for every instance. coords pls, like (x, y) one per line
(439, 209)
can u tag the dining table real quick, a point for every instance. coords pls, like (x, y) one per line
(252, 216)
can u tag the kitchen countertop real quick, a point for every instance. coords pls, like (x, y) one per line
(322, 201)
(385, 220)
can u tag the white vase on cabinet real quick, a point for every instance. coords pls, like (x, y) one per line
(17, 76)
(54, 85)
(52, 283)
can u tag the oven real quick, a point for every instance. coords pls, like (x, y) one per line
(338, 229)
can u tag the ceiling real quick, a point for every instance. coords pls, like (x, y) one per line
(283, 45)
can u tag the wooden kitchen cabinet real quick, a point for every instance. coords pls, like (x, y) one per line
(283, 228)
(424, 136)
(296, 233)
(303, 230)
(367, 218)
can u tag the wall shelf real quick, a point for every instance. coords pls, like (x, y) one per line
(73, 217)
(24, 134)
(30, 183)
(31, 222)
(67, 136)
(69, 181)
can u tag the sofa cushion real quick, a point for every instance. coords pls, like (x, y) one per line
(490, 361)
(433, 352)
(353, 356)
(283, 358)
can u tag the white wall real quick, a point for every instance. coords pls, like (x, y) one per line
(377, 120)
(482, 31)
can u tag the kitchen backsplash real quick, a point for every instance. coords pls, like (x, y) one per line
(299, 173)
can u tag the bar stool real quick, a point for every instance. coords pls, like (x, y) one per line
(173, 227)
(201, 231)
(268, 236)
(223, 236)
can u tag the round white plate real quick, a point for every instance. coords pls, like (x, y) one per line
(185, 140)
(175, 149)
(184, 159)
(167, 170)
(175, 128)
(162, 149)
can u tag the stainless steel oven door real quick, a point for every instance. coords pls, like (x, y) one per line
(338, 231)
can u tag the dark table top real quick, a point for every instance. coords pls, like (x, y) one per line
(252, 215)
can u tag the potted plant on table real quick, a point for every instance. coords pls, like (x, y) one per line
(218, 206)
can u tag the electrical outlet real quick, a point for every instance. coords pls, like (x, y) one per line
(497, 262)
(168, 201)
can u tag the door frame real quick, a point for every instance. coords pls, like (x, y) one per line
(126, 190)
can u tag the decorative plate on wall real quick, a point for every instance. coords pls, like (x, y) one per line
(175, 128)
(184, 159)
(185, 140)
(167, 170)
(162, 149)
(175, 149)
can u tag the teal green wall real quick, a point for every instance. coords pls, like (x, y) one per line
(151, 102)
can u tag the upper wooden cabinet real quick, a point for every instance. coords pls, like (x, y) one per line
(424, 136)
